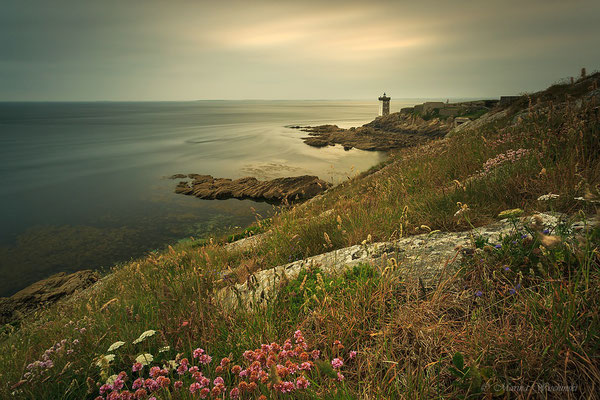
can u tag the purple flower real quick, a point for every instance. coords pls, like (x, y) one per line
(498, 246)
(546, 231)
(479, 293)
(507, 269)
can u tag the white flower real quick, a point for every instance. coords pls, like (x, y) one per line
(549, 196)
(105, 360)
(115, 346)
(163, 349)
(111, 379)
(144, 335)
(144, 358)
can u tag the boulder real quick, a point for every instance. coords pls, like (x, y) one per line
(43, 293)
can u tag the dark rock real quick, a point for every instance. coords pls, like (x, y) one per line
(384, 133)
(276, 190)
(43, 293)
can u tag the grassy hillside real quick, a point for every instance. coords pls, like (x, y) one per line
(519, 313)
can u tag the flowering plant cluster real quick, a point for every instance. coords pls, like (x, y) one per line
(46, 362)
(272, 368)
(502, 158)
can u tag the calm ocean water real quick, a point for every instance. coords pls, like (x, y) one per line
(83, 185)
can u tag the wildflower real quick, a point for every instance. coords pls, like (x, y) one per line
(235, 393)
(198, 352)
(306, 366)
(144, 336)
(193, 369)
(284, 387)
(178, 384)
(164, 349)
(337, 363)
(138, 383)
(141, 393)
(338, 345)
(163, 381)
(302, 382)
(105, 360)
(217, 390)
(225, 362)
(204, 393)
(340, 377)
(76, 342)
(154, 372)
(512, 213)
(194, 387)
(219, 370)
(151, 384)
(137, 367)
(463, 208)
(218, 381)
(546, 231)
(105, 388)
(547, 197)
(315, 354)
(479, 293)
(182, 369)
(352, 354)
(115, 346)
(236, 369)
(506, 269)
(204, 359)
(144, 358)
(498, 246)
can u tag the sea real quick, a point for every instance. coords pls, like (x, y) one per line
(85, 185)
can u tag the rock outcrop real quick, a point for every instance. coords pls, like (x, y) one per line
(384, 133)
(421, 257)
(275, 190)
(43, 293)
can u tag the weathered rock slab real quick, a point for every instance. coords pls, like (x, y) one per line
(275, 190)
(422, 256)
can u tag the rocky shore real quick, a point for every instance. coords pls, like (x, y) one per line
(275, 190)
(43, 293)
(387, 132)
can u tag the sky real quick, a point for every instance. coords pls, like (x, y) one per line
(114, 50)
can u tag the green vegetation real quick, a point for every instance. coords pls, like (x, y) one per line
(519, 313)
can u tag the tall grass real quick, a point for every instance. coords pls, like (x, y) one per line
(545, 333)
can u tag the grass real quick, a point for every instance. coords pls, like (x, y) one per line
(409, 342)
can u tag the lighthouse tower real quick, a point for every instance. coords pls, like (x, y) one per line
(385, 110)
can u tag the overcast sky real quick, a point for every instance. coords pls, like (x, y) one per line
(187, 50)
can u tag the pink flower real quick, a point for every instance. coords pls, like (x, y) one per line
(285, 386)
(194, 387)
(182, 369)
(337, 363)
(235, 393)
(340, 377)
(105, 388)
(315, 354)
(306, 366)
(141, 393)
(198, 352)
(178, 384)
(204, 393)
(138, 383)
(154, 372)
(204, 359)
(151, 384)
(194, 369)
(302, 382)
(218, 381)
(352, 354)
